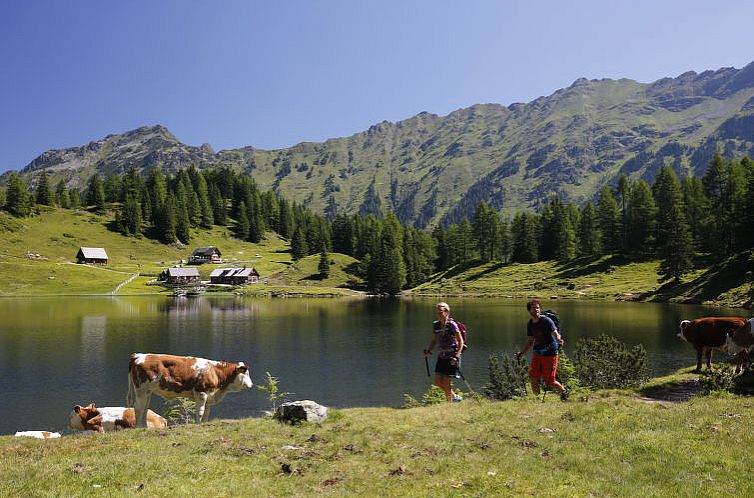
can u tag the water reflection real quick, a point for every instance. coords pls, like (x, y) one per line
(55, 353)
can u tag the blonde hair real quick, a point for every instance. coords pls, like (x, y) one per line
(442, 305)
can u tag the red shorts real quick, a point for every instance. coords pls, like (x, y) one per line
(544, 367)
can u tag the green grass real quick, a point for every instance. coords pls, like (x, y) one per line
(612, 278)
(604, 445)
(56, 235)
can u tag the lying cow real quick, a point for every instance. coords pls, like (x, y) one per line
(109, 418)
(38, 434)
(204, 381)
(709, 333)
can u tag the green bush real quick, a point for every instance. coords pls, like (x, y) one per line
(507, 377)
(718, 379)
(606, 363)
(180, 411)
(567, 371)
(433, 396)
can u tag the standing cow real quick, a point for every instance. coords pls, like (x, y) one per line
(709, 333)
(204, 381)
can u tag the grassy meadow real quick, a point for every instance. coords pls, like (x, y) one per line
(37, 257)
(596, 444)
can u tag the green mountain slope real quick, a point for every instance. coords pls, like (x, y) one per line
(431, 168)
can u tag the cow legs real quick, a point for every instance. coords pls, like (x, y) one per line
(698, 360)
(143, 397)
(709, 358)
(202, 410)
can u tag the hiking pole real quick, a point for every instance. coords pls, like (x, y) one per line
(426, 362)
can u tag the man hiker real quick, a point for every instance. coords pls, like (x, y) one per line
(445, 331)
(545, 340)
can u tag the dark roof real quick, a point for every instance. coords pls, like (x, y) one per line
(206, 251)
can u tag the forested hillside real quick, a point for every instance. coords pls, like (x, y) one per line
(432, 170)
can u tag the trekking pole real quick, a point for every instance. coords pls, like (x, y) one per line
(426, 363)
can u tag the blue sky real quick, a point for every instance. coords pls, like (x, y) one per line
(275, 73)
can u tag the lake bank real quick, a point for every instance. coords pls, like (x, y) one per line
(606, 444)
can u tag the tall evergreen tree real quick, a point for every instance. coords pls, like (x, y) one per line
(286, 220)
(182, 218)
(640, 221)
(487, 232)
(525, 236)
(324, 262)
(696, 209)
(17, 197)
(95, 195)
(129, 216)
(589, 233)
(748, 204)
(299, 249)
(45, 196)
(609, 216)
(165, 219)
(241, 228)
(674, 247)
(158, 191)
(62, 197)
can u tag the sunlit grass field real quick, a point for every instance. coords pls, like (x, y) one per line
(600, 444)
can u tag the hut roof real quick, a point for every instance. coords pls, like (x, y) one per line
(206, 251)
(183, 272)
(93, 252)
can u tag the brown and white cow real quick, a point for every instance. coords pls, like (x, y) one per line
(709, 333)
(741, 339)
(109, 418)
(38, 434)
(204, 381)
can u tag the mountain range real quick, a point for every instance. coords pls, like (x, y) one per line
(432, 169)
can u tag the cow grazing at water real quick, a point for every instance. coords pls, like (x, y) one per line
(109, 418)
(204, 381)
(709, 333)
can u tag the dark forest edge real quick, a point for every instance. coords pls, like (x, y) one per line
(687, 240)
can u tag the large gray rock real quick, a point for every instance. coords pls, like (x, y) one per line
(301, 411)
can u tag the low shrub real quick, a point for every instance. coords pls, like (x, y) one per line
(180, 411)
(720, 378)
(507, 377)
(606, 363)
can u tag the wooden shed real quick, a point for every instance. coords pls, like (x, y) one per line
(180, 276)
(205, 255)
(91, 256)
(234, 276)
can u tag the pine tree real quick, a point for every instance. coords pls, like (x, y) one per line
(674, 247)
(242, 223)
(62, 197)
(45, 196)
(640, 221)
(165, 219)
(561, 232)
(389, 269)
(95, 195)
(697, 210)
(299, 249)
(525, 236)
(609, 216)
(75, 198)
(130, 217)
(17, 197)
(182, 218)
(324, 263)
(286, 220)
(487, 232)
(748, 204)
(158, 191)
(590, 235)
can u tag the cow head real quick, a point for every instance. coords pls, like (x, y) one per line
(242, 379)
(682, 329)
(85, 418)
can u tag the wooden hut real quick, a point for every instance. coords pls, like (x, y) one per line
(234, 276)
(180, 276)
(205, 255)
(91, 256)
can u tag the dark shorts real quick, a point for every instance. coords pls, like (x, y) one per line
(443, 367)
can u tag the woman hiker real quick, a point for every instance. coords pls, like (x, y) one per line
(445, 331)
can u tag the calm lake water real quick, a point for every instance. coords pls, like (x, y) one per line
(58, 352)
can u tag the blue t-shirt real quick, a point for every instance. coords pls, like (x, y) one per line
(545, 343)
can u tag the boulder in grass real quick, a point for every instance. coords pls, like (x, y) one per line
(301, 411)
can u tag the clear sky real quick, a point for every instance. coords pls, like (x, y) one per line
(275, 73)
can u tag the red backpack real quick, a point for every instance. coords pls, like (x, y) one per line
(464, 334)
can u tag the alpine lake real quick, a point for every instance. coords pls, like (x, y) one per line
(58, 352)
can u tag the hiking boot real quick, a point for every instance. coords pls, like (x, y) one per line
(457, 398)
(564, 394)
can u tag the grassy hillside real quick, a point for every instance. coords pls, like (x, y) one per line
(606, 444)
(37, 256)
(728, 283)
